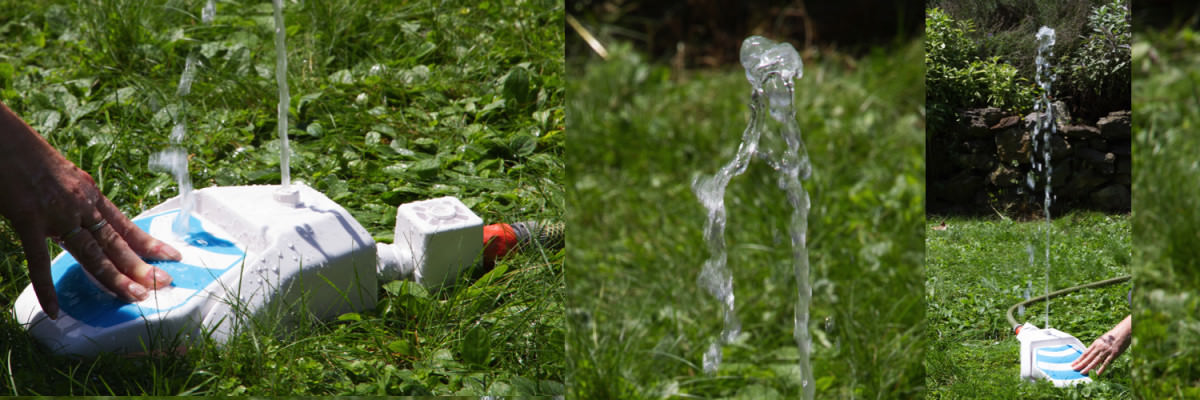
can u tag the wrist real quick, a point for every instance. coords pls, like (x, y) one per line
(25, 157)
(1122, 333)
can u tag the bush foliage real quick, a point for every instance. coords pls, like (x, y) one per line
(981, 53)
(955, 77)
(1100, 69)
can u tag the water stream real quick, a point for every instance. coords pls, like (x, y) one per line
(770, 68)
(281, 78)
(1043, 131)
(175, 158)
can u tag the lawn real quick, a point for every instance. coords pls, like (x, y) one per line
(1165, 89)
(979, 267)
(639, 322)
(391, 102)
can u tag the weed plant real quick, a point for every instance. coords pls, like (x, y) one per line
(391, 102)
(639, 322)
(1166, 89)
(978, 268)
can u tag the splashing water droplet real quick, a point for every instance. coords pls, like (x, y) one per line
(712, 357)
(175, 158)
(209, 12)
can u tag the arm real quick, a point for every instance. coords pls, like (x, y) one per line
(45, 195)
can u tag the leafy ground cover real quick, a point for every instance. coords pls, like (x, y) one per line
(1165, 256)
(391, 102)
(639, 323)
(978, 268)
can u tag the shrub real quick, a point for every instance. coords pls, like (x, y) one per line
(946, 41)
(1100, 69)
(1005, 28)
(955, 78)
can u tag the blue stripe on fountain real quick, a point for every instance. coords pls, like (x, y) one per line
(84, 301)
(1066, 375)
(1043, 355)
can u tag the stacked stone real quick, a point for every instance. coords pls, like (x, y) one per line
(987, 160)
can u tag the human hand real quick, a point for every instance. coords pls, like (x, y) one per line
(1105, 349)
(48, 196)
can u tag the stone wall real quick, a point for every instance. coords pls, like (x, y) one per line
(984, 164)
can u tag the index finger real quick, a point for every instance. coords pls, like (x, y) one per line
(138, 240)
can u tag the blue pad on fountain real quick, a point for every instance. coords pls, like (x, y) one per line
(206, 256)
(1056, 361)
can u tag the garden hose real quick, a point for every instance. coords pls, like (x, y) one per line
(1013, 321)
(500, 239)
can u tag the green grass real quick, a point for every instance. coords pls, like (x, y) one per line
(978, 268)
(1166, 88)
(639, 323)
(391, 102)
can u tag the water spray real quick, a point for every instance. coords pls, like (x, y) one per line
(770, 68)
(175, 158)
(286, 194)
(1043, 131)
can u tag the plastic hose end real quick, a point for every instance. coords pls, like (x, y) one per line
(498, 240)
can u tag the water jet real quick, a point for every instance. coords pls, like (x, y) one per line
(770, 69)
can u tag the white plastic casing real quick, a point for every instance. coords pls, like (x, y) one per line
(311, 256)
(441, 236)
(1048, 354)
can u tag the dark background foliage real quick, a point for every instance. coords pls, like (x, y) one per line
(707, 33)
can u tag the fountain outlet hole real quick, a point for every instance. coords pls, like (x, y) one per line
(770, 69)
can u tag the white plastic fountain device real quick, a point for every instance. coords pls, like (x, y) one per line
(249, 251)
(1048, 354)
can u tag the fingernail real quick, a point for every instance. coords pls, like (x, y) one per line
(160, 278)
(137, 291)
(169, 252)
